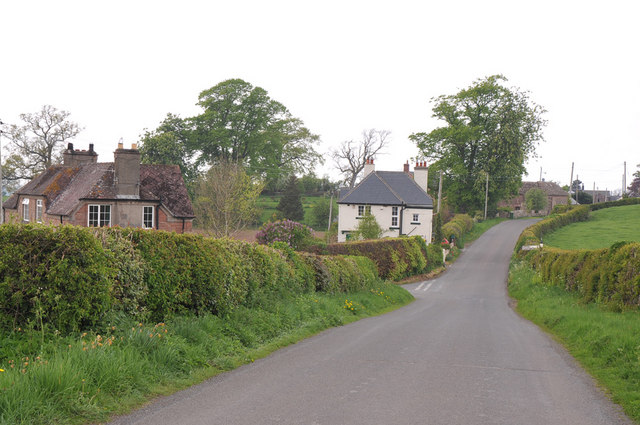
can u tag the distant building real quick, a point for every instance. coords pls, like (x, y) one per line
(397, 199)
(85, 192)
(555, 196)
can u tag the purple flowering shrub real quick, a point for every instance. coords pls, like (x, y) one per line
(294, 234)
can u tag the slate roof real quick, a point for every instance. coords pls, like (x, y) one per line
(63, 186)
(550, 188)
(387, 188)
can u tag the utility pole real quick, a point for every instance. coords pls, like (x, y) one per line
(330, 211)
(540, 174)
(571, 181)
(624, 179)
(593, 196)
(577, 187)
(486, 197)
(439, 192)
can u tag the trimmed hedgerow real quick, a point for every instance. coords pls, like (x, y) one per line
(59, 276)
(534, 233)
(69, 277)
(395, 258)
(457, 227)
(618, 203)
(609, 276)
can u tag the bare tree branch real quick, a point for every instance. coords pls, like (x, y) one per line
(351, 156)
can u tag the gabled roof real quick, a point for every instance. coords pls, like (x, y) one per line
(64, 186)
(388, 188)
(550, 188)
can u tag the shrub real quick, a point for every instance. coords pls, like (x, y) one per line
(58, 276)
(368, 228)
(533, 234)
(296, 235)
(455, 229)
(395, 258)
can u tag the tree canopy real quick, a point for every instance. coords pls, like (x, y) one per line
(535, 199)
(488, 128)
(37, 144)
(290, 205)
(634, 187)
(239, 124)
(351, 156)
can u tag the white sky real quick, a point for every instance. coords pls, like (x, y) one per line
(341, 66)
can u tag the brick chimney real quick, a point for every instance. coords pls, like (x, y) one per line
(368, 167)
(421, 174)
(127, 172)
(406, 168)
(76, 158)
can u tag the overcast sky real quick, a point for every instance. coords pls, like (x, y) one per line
(341, 66)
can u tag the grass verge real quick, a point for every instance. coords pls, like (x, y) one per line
(604, 342)
(88, 377)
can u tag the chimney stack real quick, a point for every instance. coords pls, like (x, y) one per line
(368, 167)
(421, 174)
(406, 167)
(76, 158)
(127, 172)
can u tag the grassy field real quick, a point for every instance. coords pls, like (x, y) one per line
(268, 204)
(47, 378)
(604, 342)
(603, 228)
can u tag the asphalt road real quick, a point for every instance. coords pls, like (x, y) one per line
(457, 355)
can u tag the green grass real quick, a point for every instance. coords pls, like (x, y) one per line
(604, 342)
(88, 377)
(603, 228)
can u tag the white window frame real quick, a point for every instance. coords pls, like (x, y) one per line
(415, 218)
(101, 211)
(25, 209)
(39, 210)
(394, 216)
(153, 219)
(363, 210)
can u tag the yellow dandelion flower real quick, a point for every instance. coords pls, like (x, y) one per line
(1, 370)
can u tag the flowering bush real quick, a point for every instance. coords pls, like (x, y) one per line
(296, 235)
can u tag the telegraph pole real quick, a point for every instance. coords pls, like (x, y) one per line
(439, 193)
(486, 197)
(571, 181)
(624, 179)
(330, 211)
(540, 174)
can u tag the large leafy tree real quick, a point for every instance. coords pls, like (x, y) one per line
(37, 143)
(242, 124)
(239, 124)
(488, 128)
(634, 187)
(535, 199)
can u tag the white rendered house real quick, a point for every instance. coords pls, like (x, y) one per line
(397, 199)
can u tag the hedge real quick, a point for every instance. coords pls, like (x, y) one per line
(533, 234)
(395, 258)
(457, 227)
(609, 276)
(69, 277)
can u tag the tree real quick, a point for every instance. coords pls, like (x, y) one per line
(634, 187)
(242, 124)
(170, 144)
(38, 143)
(225, 199)
(535, 199)
(489, 128)
(320, 214)
(368, 227)
(290, 205)
(351, 156)
(585, 198)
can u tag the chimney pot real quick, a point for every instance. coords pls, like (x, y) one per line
(134, 146)
(70, 146)
(120, 145)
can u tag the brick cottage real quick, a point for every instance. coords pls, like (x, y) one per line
(85, 192)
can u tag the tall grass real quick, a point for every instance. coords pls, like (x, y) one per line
(604, 342)
(87, 377)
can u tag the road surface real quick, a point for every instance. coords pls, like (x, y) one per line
(457, 355)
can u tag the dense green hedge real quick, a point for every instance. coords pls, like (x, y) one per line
(395, 258)
(69, 277)
(609, 276)
(533, 234)
(457, 227)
